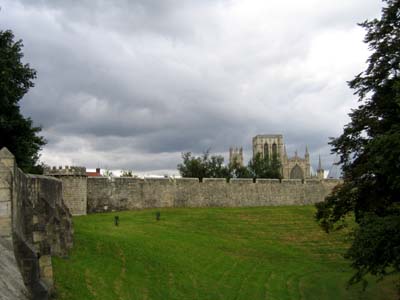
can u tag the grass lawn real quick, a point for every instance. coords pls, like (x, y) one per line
(209, 253)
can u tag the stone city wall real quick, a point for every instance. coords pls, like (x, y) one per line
(34, 225)
(84, 194)
(74, 187)
(107, 194)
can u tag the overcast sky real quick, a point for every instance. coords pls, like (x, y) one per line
(133, 84)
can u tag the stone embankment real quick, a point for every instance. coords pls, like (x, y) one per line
(35, 225)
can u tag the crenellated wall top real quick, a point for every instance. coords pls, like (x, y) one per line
(65, 171)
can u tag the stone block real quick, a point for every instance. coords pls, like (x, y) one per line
(5, 194)
(45, 260)
(48, 272)
(5, 180)
(37, 236)
(5, 209)
(5, 226)
(7, 158)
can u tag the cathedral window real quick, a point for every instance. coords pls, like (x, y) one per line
(274, 149)
(296, 173)
(266, 150)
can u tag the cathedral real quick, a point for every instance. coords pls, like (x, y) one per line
(267, 145)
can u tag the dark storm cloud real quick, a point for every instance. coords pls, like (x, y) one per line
(167, 17)
(132, 84)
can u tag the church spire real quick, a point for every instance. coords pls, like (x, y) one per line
(320, 171)
(284, 152)
(319, 163)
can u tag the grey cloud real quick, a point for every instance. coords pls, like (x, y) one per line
(140, 16)
(132, 84)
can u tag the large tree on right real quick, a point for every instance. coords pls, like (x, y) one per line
(369, 150)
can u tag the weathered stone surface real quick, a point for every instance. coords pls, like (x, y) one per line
(11, 283)
(5, 227)
(5, 209)
(7, 158)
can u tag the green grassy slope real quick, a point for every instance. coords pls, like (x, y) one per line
(214, 253)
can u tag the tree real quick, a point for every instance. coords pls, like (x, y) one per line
(215, 167)
(275, 167)
(127, 173)
(191, 166)
(204, 166)
(265, 167)
(17, 133)
(212, 166)
(237, 170)
(108, 173)
(369, 150)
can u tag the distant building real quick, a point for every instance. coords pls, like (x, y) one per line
(93, 174)
(295, 167)
(320, 171)
(335, 172)
(236, 156)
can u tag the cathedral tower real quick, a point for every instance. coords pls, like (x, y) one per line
(268, 145)
(236, 156)
(295, 167)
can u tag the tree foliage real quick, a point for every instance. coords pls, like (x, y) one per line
(212, 166)
(237, 170)
(265, 167)
(204, 166)
(126, 173)
(108, 173)
(369, 150)
(17, 133)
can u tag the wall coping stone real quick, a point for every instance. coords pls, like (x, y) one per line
(267, 180)
(241, 180)
(5, 153)
(156, 179)
(292, 181)
(182, 179)
(214, 180)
